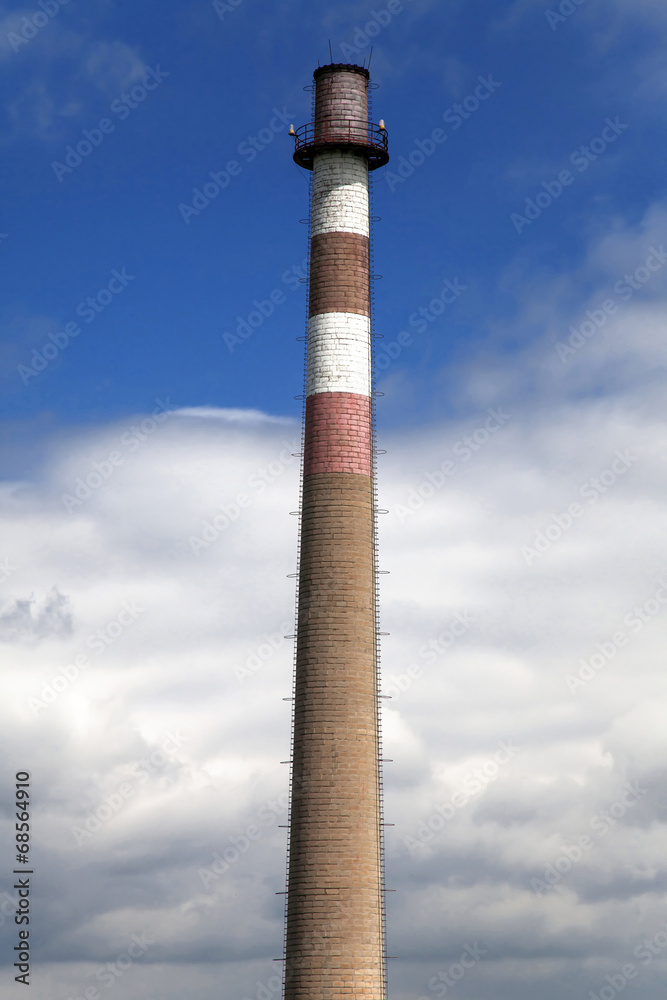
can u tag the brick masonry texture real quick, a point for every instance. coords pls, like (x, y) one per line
(334, 934)
(339, 95)
(339, 353)
(338, 434)
(340, 193)
(339, 274)
(334, 913)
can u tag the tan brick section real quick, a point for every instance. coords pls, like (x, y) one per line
(334, 943)
(339, 274)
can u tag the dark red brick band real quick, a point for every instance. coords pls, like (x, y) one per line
(338, 434)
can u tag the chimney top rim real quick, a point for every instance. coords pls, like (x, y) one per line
(341, 68)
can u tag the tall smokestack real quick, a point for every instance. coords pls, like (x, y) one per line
(334, 936)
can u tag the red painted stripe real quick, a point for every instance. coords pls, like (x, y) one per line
(338, 434)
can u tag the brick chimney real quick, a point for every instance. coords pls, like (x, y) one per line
(334, 938)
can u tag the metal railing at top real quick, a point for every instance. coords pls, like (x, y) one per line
(341, 131)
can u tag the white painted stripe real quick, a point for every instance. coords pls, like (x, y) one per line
(340, 193)
(339, 353)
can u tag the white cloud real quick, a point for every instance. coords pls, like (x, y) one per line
(650, 9)
(113, 66)
(188, 641)
(31, 619)
(234, 416)
(617, 353)
(171, 668)
(37, 111)
(40, 103)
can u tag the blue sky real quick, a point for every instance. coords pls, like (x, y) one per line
(222, 80)
(148, 474)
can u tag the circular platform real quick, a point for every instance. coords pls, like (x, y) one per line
(360, 137)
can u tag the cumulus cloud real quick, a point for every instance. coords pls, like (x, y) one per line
(33, 618)
(34, 46)
(573, 346)
(113, 66)
(526, 604)
(38, 110)
(177, 700)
